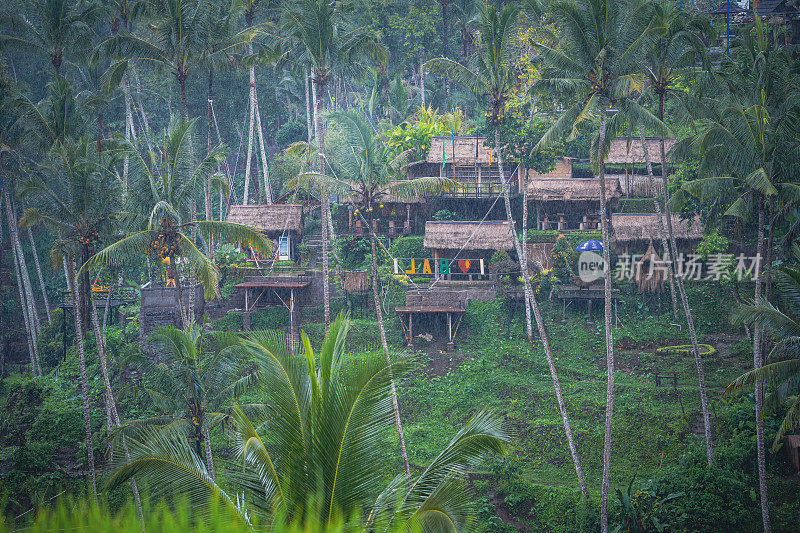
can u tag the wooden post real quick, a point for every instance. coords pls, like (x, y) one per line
(291, 319)
(589, 305)
(410, 329)
(246, 317)
(450, 344)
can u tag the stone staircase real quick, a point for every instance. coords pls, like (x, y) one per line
(315, 249)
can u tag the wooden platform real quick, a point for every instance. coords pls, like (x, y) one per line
(273, 284)
(569, 293)
(408, 329)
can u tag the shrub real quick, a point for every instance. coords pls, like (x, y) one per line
(410, 246)
(446, 214)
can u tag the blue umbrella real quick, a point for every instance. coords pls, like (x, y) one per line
(590, 246)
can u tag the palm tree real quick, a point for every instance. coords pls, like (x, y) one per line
(220, 40)
(673, 44)
(319, 28)
(316, 458)
(490, 75)
(191, 386)
(747, 138)
(366, 172)
(249, 8)
(77, 199)
(163, 188)
(783, 322)
(603, 38)
(63, 25)
(177, 30)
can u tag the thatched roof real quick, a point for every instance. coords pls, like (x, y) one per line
(275, 218)
(621, 153)
(469, 235)
(573, 189)
(631, 228)
(466, 148)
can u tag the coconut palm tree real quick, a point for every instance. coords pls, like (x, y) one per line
(603, 39)
(317, 457)
(64, 26)
(164, 186)
(675, 43)
(320, 28)
(221, 41)
(365, 171)
(783, 323)
(248, 9)
(490, 74)
(747, 139)
(191, 386)
(177, 33)
(671, 44)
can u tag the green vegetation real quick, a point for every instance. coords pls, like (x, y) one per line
(129, 129)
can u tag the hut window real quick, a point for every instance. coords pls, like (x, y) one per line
(284, 252)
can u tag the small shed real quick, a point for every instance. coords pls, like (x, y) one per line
(648, 275)
(637, 230)
(283, 223)
(565, 204)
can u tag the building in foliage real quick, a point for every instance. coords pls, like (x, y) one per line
(626, 162)
(566, 203)
(467, 245)
(632, 233)
(283, 223)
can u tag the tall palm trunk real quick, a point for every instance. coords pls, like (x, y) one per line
(385, 346)
(69, 271)
(523, 260)
(27, 302)
(421, 81)
(209, 457)
(251, 129)
(208, 193)
(530, 300)
(319, 84)
(30, 335)
(758, 362)
(701, 376)
(608, 327)
(662, 231)
(263, 149)
(309, 125)
(510, 217)
(39, 273)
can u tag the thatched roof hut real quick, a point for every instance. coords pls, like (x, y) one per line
(468, 235)
(633, 229)
(575, 190)
(466, 150)
(271, 219)
(621, 153)
(649, 277)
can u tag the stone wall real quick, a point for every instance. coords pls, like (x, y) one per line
(160, 308)
(451, 294)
